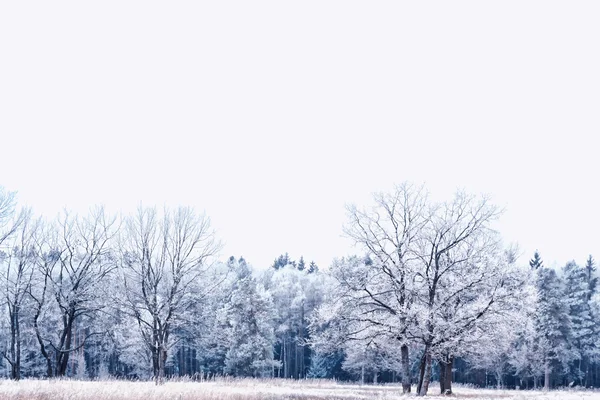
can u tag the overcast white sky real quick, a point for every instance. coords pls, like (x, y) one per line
(272, 115)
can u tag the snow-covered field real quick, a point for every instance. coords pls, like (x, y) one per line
(247, 389)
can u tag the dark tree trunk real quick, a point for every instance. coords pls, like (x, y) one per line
(442, 376)
(406, 381)
(15, 344)
(421, 373)
(446, 376)
(426, 375)
(17, 365)
(424, 372)
(155, 363)
(62, 357)
(42, 345)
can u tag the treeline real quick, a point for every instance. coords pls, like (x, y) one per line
(434, 295)
(143, 296)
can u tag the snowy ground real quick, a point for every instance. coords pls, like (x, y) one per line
(247, 389)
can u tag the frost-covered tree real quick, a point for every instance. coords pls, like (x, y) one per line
(553, 324)
(250, 318)
(166, 272)
(371, 357)
(592, 279)
(296, 294)
(433, 273)
(17, 267)
(74, 260)
(465, 273)
(381, 292)
(8, 222)
(525, 360)
(492, 344)
(583, 324)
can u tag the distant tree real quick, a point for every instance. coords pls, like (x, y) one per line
(301, 264)
(282, 261)
(553, 324)
(250, 316)
(319, 366)
(590, 269)
(526, 361)
(312, 268)
(577, 295)
(536, 262)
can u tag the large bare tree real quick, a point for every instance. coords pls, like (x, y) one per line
(432, 272)
(463, 275)
(384, 291)
(165, 269)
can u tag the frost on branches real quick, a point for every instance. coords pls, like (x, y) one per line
(433, 295)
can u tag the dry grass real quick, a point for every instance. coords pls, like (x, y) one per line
(247, 389)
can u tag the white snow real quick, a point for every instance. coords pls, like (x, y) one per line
(250, 389)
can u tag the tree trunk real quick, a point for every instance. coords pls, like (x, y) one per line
(17, 364)
(424, 373)
(405, 360)
(587, 374)
(375, 377)
(64, 350)
(499, 380)
(421, 373)
(547, 377)
(15, 344)
(285, 366)
(163, 363)
(442, 377)
(446, 376)
(362, 375)
(427, 375)
(161, 358)
(155, 363)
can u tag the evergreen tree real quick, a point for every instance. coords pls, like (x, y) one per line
(282, 261)
(577, 296)
(301, 264)
(590, 269)
(319, 366)
(553, 324)
(536, 262)
(313, 268)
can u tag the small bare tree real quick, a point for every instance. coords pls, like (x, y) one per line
(164, 266)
